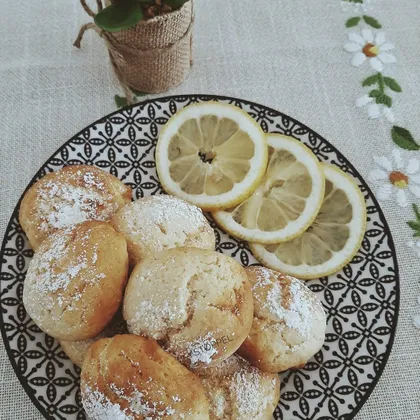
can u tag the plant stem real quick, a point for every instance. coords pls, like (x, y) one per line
(381, 82)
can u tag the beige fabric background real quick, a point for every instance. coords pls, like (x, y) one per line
(287, 54)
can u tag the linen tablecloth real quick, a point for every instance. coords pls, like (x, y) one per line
(309, 59)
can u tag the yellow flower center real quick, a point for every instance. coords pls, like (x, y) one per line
(370, 50)
(398, 179)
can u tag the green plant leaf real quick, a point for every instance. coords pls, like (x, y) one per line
(120, 15)
(138, 92)
(353, 21)
(375, 93)
(371, 21)
(392, 84)
(175, 4)
(403, 138)
(371, 80)
(120, 101)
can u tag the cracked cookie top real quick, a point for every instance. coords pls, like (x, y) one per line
(75, 281)
(128, 377)
(197, 303)
(289, 322)
(160, 222)
(70, 196)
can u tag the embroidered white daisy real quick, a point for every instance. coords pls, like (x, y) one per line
(375, 110)
(395, 178)
(367, 47)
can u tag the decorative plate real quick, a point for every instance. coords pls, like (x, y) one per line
(361, 301)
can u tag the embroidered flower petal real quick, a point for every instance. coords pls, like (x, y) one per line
(367, 35)
(389, 115)
(386, 58)
(384, 192)
(380, 38)
(416, 321)
(352, 47)
(410, 244)
(358, 59)
(377, 174)
(402, 198)
(415, 179)
(415, 189)
(354, 37)
(383, 162)
(373, 111)
(396, 155)
(363, 100)
(413, 166)
(376, 64)
(387, 46)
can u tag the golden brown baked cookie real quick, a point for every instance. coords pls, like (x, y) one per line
(289, 322)
(131, 378)
(75, 281)
(76, 350)
(197, 303)
(72, 195)
(238, 391)
(160, 222)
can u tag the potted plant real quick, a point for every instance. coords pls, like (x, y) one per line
(149, 41)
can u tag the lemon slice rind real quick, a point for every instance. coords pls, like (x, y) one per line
(357, 227)
(313, 202)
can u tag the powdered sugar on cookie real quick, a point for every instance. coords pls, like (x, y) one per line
(289, 302)
(99, 407)
(202, 350)
(251, 396)
(64, 204)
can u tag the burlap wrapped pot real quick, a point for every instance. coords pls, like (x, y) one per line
(153, 56)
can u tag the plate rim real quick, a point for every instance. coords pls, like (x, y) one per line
(209, 97)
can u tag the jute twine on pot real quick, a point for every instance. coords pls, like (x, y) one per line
(153, 56)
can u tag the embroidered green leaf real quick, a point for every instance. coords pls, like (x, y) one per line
(119, 15)
(384, 99)
(354, 1)
(371, 80)
(392, 84)
(372, 22)
(353, 21)
(415, 224)
(403, 138)
(375, 93)
(120, 101)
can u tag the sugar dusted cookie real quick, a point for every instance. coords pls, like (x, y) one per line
(69, 196)
(131, 378)
(197, 303)
(160, 222)
(238, 391)
(289, 322)
(75, 281)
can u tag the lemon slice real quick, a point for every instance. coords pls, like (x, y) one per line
(332, 240)
(212, 155)
(286, 202)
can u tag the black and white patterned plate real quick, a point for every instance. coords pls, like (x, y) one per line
(361, 301)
